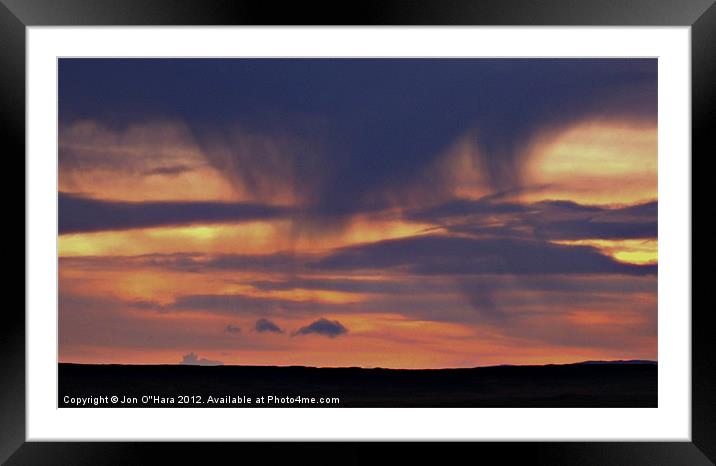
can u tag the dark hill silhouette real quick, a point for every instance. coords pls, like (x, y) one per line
(587, 384)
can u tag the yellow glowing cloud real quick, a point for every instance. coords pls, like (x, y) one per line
(597, 162)
(246, 238)
(633, 251)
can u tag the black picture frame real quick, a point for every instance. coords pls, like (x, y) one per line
(16, 15)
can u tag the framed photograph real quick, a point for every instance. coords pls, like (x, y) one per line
(410, 222)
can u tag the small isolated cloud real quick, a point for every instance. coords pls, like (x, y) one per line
(329, 328)
(265, 325)
(232, 329)
(192, 359)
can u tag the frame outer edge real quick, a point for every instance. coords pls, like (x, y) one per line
(364, 12)
(12, 339)
(355, 453)
(17, 14)
(703, 101)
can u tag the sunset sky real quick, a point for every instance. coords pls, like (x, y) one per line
(404, 213)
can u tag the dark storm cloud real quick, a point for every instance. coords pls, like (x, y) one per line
(463, 208)
(432, 255)
(325, 327)
(548, 220)
(82, 214)
(265, 325)
(343, 134)
(584, 229)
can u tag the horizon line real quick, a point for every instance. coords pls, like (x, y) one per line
(585, 362)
